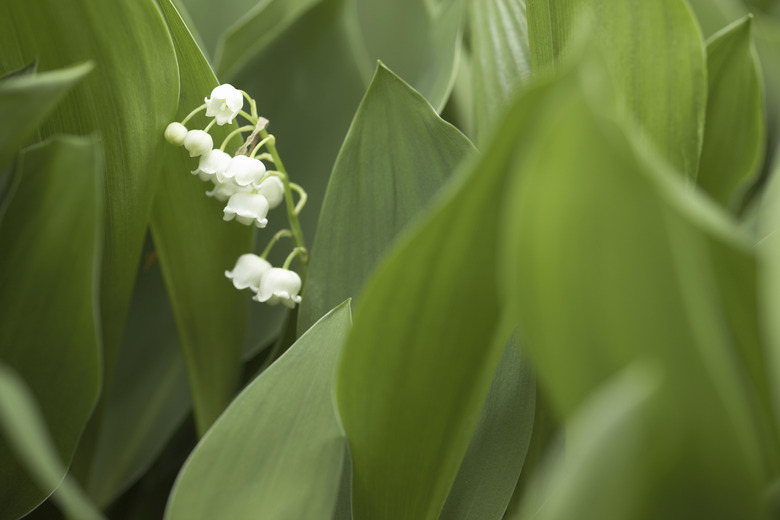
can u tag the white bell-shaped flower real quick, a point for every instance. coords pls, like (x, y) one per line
(210, 163)
(222, 191)
(244, 170)
(247, 208)
(198, 142)
(224, 104)
(273, 190)
(175, 133)
(248, 271)
(279, 285)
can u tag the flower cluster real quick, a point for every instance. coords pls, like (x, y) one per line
(249, 189)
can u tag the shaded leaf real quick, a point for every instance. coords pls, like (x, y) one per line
(418, 39)
(24, 428)
(279, 441)
(655, 54)
(25, 101)
(50, 235)
(496, 455)
(734, 132)
(195, 247)
(397, 154)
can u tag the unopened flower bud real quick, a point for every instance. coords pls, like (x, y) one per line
(198, 142)
(247, 208)
(175, 133)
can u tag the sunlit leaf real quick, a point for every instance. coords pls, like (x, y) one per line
(656, 58)
(50, 234)
(735, 130)
(195, 247)
(396, 156)
(277, 451)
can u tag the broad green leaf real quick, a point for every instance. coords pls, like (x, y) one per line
(50, 234)
(419, 362)
(397, 154)
(492, 465)
(255, 30)
(195, 247)
(502, 58)
(735, 130)
(26, 100)
(277, 451)
(656, 58)
(308, 84)
(149, 398)
(24, 427)
(605, 473)
(129, 99)
(629, 258)
(418, 39)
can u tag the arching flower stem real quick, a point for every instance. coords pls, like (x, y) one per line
(279, 234)
(191, 114)
(208, 126)
(303, 197)
(234, 133)
(295, 252)
(269, 139)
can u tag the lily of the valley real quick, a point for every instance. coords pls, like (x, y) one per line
(247, 208)
(210, 163)
(198, 142)
(273, 190)
(279, 285)
(175, 133)
(244, 170)
(248, 272)
(224, 104)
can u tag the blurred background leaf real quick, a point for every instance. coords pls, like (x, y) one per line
(734, 131)
(25, 429)
(277, 451)
(655, 54)
(50, 234)
(26, 100)
(397, 154)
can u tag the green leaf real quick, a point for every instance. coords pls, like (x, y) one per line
(492, 465)
(277, 451)
(309, 120)
(195, 248)
(50, 235)
(502, 57)
(397, 154)
(734, 132)
(418, 39)
(129, 99)
(26, 100)
(606, 471)
(419, 362)
(655, 54)
(603, 237)
(255, 30)
(149, 398)
(25, 429)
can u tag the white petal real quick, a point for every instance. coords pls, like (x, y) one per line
(273, 190)
(280, 285)
(198, 142)
(248, 271)
(175, 133)
(247, 208)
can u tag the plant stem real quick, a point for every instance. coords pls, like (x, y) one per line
(276, 237)
(189, 116)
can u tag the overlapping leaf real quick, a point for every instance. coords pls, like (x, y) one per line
(420, 359)
(396, 156)
(656, 58)
(735, 129)
(277, 451)
(50, 233)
